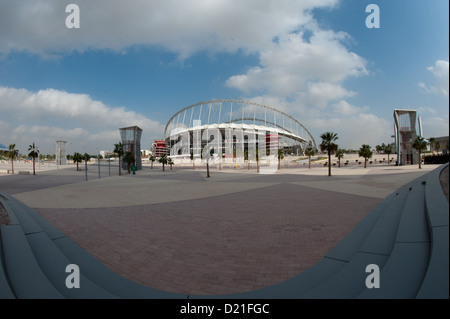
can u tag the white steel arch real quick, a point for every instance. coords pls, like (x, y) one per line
(229, 113)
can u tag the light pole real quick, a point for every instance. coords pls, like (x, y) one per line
(39, 160)
(85, 165)
(98, 162)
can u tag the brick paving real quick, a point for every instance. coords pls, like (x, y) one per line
(220, 243)
(217, 245)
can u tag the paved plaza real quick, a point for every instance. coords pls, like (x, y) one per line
(181, 232)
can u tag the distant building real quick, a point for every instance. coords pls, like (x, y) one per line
(3, 148)
(159, 148)
(440, 144)
(106, 154)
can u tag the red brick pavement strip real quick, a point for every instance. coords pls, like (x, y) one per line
(217, 245)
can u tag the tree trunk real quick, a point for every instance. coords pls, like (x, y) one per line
(309, 163)
(34, 166)
(420, 162)
(365, 162)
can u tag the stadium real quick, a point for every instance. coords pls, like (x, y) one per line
(234, 130)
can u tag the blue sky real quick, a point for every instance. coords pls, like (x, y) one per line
(139, 62)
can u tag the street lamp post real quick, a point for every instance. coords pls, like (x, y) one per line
(85, 165)
(98, 162)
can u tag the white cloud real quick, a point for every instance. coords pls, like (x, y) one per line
(435, 126)
(355, 125)
(320, 94)
(355, 130)
(343, 108)
(291, 63)
(74, 117)
(304, 77)
(182, 27)
(440, 71)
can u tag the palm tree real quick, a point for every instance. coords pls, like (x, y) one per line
(118, 149)
(128, 158)
(328, 146)
(12, 154)
(432, 143)
(309, 152)
(280, 157)
(77, 158)
(365, 152)
(152, 158)
(170, 162)
(388, 150)
(163, 160)
(437, 147)
(420, 145)
(86, 158)
(339, 155)
(33, 153)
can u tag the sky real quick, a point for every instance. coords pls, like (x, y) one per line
(138, 62)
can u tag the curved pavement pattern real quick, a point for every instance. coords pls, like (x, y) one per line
(405, 235)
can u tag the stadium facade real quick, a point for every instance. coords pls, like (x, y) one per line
(234, 130)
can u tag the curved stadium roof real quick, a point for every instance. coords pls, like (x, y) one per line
(3, 147)
(237, 114)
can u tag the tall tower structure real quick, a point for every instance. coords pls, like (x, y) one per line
(61, 153)
(131, 141)
(405, 134)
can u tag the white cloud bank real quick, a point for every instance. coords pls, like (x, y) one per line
(86, 123)
(183, 27)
